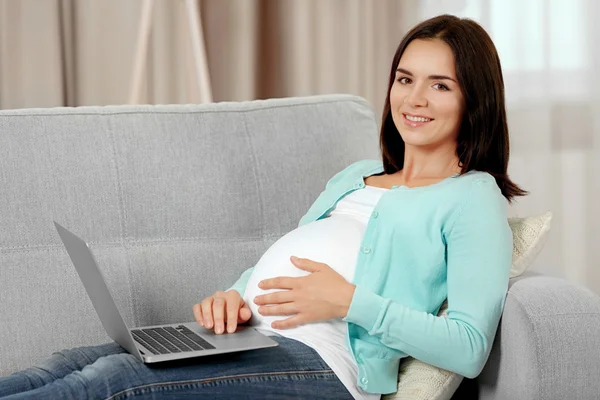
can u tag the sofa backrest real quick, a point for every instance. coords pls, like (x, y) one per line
(175, 202)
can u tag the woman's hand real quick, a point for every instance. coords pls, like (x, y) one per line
(320, 296)
(220, 308)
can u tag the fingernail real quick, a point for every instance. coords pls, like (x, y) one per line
(294, 258)
(219, 330)
(230, 329)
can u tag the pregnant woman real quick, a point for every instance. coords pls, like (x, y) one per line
(379, 251)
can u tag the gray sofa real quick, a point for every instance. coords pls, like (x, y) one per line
(176, 201)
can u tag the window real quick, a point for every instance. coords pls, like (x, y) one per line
(543, 44)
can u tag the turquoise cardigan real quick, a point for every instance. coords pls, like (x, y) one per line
(423, 245)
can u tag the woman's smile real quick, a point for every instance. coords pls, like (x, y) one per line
(415, 121)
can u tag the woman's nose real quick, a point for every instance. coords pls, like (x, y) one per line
(416, 97)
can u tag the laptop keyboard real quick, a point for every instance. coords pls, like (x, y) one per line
(170, 340)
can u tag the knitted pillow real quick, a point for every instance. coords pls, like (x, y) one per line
(529, 237)
(420, 381)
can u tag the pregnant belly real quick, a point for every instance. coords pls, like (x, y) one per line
(334, 241)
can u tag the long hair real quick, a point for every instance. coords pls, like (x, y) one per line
(483, 142)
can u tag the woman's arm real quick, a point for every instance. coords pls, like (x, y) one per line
(479, 256)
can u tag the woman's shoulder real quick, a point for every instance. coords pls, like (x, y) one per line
(477, 181)
(478, 193)
(475, 176)
(475, 191)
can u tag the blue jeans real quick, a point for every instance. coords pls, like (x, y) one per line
(290, 370)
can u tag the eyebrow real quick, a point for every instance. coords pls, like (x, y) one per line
(404, 71)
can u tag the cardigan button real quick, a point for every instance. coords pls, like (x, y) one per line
(366, 250)
(364, 380)
(375, 214)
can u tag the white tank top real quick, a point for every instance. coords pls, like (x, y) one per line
(334, 240)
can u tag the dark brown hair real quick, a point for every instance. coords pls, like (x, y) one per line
(483, 142)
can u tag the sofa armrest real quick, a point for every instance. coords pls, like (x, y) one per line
(548, 343)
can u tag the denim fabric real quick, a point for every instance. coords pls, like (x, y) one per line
(291, 370)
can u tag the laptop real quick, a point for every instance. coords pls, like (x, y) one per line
(157, 343)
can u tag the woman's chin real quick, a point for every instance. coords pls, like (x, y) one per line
(420, 141)
(416, 140)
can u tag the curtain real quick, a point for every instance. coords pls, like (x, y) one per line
(80, 52)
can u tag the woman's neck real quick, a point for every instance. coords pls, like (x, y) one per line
(421, 164)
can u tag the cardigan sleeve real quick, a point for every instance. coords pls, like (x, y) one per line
(479, 256)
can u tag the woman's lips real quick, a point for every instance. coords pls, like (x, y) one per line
(414, 124)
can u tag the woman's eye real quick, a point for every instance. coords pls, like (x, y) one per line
(403, 80)
(440, 86)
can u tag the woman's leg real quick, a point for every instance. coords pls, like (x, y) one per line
(290, 370)
(58, 366)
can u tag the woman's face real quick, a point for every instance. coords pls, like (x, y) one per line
(426, 101)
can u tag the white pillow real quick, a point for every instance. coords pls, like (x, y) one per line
(529, 237)
(420, 381)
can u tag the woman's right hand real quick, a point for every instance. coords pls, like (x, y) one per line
(222, 308)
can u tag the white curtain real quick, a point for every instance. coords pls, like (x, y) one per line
(551, 61)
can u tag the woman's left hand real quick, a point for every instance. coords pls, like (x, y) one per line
(320, 296)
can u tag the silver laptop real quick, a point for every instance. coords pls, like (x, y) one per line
(152, 344)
